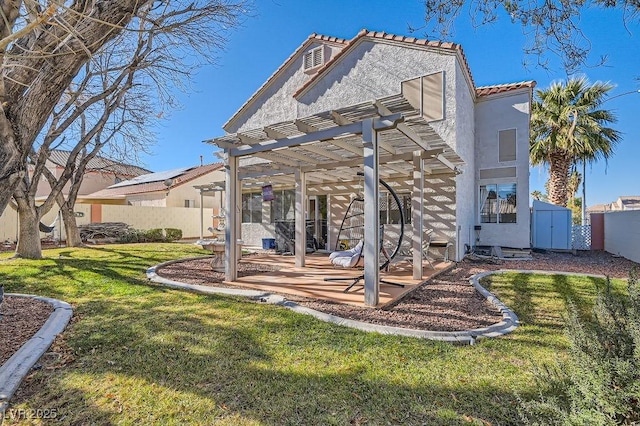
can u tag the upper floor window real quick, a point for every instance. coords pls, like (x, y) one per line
(507, 145)
(314, 58)
(498, 203)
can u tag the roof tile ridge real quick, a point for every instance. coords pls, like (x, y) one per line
(387, 36)
(323, 37)
(504, 87)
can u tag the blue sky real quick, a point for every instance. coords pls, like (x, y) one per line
(277, 27)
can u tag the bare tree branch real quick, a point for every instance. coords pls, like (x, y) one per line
(551, 26)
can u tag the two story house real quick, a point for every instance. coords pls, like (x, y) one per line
(399, 108)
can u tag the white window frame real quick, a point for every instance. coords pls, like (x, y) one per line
(483, 199)
(252, 200)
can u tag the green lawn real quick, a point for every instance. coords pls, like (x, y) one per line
(145, 354)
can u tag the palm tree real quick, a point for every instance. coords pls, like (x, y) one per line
(567, 127)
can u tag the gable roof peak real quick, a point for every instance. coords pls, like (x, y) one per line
(381, 35)
(344, 47)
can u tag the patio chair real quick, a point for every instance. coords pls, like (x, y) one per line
(347, 258)
(426, 245)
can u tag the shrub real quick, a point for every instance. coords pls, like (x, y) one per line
(173, 234)
(600, 382)
(132, 236)
(154, 235)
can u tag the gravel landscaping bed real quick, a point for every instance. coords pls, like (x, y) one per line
(21, 318)
(445, 303)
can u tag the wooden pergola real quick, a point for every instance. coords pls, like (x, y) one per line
(332, 146)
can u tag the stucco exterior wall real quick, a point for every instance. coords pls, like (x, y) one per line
(92, 181)
(276, 103)
(9, 221)
(188, 220)
(622, 234)
(494, 113)
(179, 194)
(465, 183)
(8, 225)
(155, 199)
(367, 73)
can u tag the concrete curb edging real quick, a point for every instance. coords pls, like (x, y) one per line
(14, 370)
(508, 324)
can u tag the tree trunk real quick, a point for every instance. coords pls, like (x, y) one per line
(559, 165)
(71, 227)
(29, 233)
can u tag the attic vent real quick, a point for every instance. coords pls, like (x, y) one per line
(314, 58)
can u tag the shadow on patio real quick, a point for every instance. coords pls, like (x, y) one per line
(308, 281)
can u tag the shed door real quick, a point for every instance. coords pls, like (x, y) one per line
(551, 230)
(544, 229)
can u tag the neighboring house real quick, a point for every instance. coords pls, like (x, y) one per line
(598, 208)
(171, 188)
(626, 203)
(621, 204)
(305, 128)
(100, 173)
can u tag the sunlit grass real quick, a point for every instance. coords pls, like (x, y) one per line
(145, 354)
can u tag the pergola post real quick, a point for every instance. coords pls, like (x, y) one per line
(201, 215)
(417, 214)
(232, 185)
(301, 215)
(371, 214)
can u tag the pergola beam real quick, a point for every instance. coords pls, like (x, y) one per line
(246, 139)
(355, 128)
(381, 123)
(254, 174)
(447, 163)
(403, 127)
(342, 143)
(289, 153)
(278, 159)
(305, 127)
(408, 156)
(339, 119)
(324, 152)
(274, 134)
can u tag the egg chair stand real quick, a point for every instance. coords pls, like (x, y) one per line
(352, 232)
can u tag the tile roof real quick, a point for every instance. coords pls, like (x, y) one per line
(140, 188)
(98, 163)
(376, 35)
(500, 88)
(380, 35)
